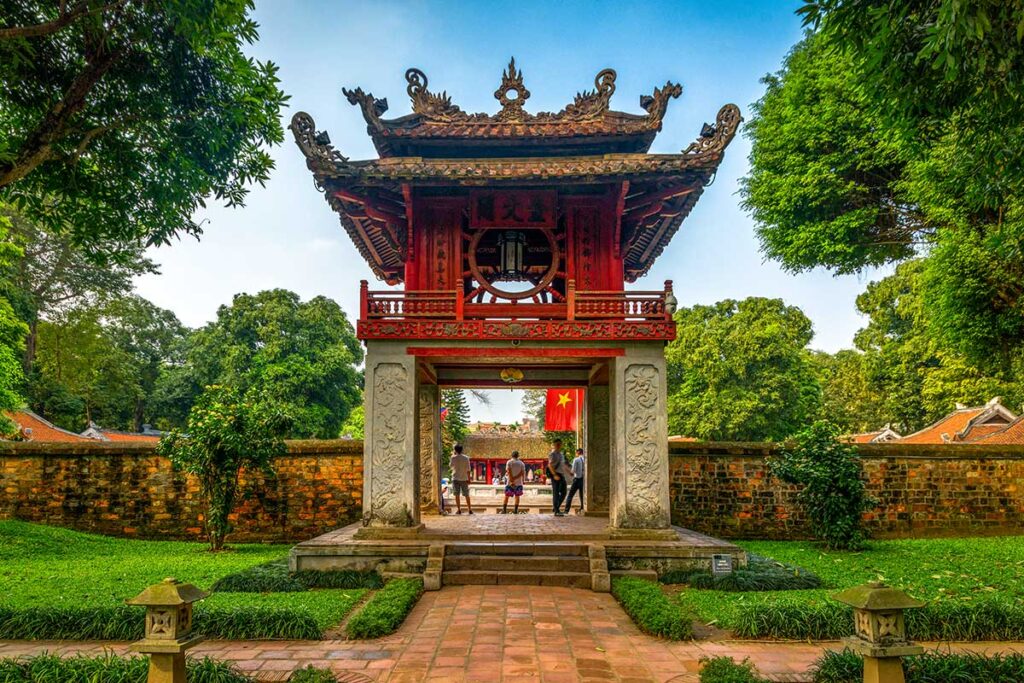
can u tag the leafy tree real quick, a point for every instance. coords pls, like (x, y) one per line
(832, 484)
(226, 432)
(122, 116)
(52, 274)
(304, 354)
(848, 398)
(355, 425)
(455, 426)
(12, 339)
(740, 370)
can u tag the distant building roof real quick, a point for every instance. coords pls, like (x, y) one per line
(97, 433)
(1012, 433)
(33, 427)
(964, 424)
(883, 435)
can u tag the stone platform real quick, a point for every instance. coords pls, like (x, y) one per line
(537, 549)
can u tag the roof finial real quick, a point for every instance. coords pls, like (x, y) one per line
(511, 82)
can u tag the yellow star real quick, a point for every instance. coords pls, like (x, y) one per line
(564, 399)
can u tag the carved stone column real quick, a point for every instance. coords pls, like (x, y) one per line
(391, 467)
(639, 487)
(430, 448)
(598, 449)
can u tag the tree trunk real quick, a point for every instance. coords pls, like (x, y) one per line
(139, 415)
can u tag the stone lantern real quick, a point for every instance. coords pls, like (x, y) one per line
(168, 626)
(880, 630)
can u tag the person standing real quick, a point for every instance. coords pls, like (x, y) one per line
(460, 479)
(579, 468)
(515, 471)
(558, 470)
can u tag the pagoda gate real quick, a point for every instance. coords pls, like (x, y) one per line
(511, 239)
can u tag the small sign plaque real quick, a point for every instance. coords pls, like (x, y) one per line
(721, 564)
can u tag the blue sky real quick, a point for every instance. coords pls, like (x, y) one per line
(288, 237)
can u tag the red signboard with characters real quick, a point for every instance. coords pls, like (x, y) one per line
(513, 209)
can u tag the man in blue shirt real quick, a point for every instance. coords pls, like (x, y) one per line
(579, 467)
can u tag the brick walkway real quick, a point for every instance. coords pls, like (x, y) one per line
(508, 634)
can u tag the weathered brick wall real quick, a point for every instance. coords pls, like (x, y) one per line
(725, 490)
(129, 490)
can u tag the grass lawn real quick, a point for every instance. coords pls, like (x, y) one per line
(963, 570)
(54, 568)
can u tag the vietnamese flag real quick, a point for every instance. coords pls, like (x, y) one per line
(563, 409)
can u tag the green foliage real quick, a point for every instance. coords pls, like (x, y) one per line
(226, 432)
(274, 577)
(849, 397)
(127, 118)
(760, 574)
(832, 484)
(304, 354)
(355, 425)
(726, 670)
(454, 428)
(386, 610)
(847, 666)
(48, 668)
(740, 370)
(794, 620)
(650, 609)
(311, 674)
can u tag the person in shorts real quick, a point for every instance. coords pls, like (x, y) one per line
(515, 470)
(460, 479)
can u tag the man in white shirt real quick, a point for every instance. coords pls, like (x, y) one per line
(515, 470)
(579, 467)
(460, 479)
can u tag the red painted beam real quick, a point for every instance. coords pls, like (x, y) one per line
(463, 352)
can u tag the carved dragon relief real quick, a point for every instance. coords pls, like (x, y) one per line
(390, 436)
(438, 107)
(644, 506)
(715, 137)
(316, 146)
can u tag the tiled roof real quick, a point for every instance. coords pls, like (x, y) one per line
(881, 435)
(1012, 433)
(127, 436)
(963, 425)
(866, 437)
(35, 428)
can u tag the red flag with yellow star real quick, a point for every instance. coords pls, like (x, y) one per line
(563, 410)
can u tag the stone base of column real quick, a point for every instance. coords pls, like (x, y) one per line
(389, 532)
(643, 534)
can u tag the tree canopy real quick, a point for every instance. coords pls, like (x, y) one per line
(304, 354)
(740, 370)
(119, 118)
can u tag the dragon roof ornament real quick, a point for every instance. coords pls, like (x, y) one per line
(432, 107)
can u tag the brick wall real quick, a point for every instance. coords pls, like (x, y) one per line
(721, 489)
(129, 490)
(724, 489)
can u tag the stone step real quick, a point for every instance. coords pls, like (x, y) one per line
(500, 548)
(516, 578)
(511, 563)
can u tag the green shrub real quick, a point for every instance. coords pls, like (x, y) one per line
(311, 674)
(726, 670)
(939, 620)
(650, 609)
(271, 577)
(340, 578)
(274, 577)
(47, 668)
(386, 610)
(831, 483)
(255, 623)
(760, 574)
(930, 667)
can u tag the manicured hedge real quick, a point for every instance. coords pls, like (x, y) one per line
(995, 619)
(726, 670)
(931, 667)
(650, 609)
(386, 610)
(760, 574)
(107, 669)
(274, 577)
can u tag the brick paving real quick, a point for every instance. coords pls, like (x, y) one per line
(501, 634)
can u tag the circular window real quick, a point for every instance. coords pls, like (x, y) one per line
(524, 262)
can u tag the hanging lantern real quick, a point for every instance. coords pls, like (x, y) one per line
(511, 251)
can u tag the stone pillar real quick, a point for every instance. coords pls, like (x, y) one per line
(430, 448)
(639, 482)
(598, 448)
(391, 467)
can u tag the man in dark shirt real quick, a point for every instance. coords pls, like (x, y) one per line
(557, 472)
